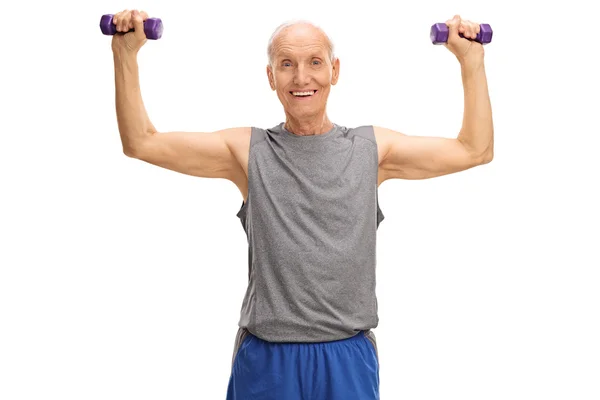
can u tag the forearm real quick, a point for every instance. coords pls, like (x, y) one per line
(132, 118)
(477, 132)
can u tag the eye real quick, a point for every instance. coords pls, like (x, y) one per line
(316, 61)
(286, 64)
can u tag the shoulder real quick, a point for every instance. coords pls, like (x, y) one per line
(237, 137)
(363, 131)
(240, 140)
(246, 137)
(380, 137)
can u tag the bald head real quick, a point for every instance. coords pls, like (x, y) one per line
(298, 26)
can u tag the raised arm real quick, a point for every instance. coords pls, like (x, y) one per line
(418, 157)
(203, 154)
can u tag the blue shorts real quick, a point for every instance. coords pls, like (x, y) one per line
(346, 369)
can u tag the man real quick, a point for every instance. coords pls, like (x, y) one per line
(309, 209)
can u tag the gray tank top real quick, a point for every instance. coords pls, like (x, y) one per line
(311, 218)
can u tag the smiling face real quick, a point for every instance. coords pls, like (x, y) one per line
(301, 71)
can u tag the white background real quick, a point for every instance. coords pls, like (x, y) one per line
(122, 280)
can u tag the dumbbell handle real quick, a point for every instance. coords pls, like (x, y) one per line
(153, 27)
(439, 34)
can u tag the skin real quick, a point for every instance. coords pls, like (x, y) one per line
(300, 62)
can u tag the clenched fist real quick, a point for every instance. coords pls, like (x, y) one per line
(129, 42)
(468, 52)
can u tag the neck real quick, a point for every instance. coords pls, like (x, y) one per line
(308, 127)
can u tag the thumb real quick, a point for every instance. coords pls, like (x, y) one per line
(453, 25)
(138, 25)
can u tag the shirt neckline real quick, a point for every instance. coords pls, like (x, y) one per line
(289, 134)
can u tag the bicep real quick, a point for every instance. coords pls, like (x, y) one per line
(420, 157)
(202, 154)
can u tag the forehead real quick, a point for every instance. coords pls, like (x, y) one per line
(300, 40)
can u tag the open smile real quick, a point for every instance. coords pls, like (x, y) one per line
(303, 95)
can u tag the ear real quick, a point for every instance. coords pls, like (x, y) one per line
(270, 76)
(335, 71)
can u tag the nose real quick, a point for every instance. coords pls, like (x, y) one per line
(301, 76)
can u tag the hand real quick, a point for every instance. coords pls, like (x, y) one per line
(130, 42)
(468, 52)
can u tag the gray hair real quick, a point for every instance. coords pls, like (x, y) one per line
(287, 24)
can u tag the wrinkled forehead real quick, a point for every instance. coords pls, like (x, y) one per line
(300, 41)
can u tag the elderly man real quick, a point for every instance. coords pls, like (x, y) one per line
(310, 208)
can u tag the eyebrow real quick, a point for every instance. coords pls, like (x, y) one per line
(288, 55)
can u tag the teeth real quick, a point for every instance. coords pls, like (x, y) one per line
(303, 93)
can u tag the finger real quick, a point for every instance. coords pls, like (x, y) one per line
(126, 23)
(453, 27)
(468, 27)
(116, 21)
(119, 22)
(131, 18)
(118, 18)
(472, 30)
(138, 25)
(144, 15)
(468, 30)
(124, 20)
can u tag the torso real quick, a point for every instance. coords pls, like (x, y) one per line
(239, 143)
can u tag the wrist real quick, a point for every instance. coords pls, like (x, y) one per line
(472, 60)
(471, 67)
(124, 57)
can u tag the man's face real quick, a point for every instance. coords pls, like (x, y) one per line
(301, 63)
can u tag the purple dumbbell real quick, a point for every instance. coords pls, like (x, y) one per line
(439, 34)
(153, 27)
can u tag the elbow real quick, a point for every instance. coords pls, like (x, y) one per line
(487, 157)
(133, 151)
(130, 152)
(480, 159)
(135, 144)
(478, 156)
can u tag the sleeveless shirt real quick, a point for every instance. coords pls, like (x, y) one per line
(311, 217)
